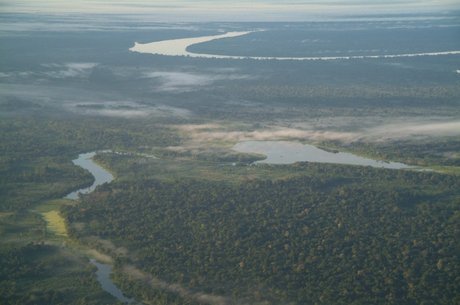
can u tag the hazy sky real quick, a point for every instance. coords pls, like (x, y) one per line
(228, 10)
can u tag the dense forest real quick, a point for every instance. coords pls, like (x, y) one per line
(336, 235)
(188, 220)
(35, 167)
(36, 274)
(38, 167)
(212, 224)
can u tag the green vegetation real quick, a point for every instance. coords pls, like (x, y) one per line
(35, 169)
(55, 223)
(210, 224)
(35, 163)
(43, 274)
(443, 151)
(197, 224)
(331, 235)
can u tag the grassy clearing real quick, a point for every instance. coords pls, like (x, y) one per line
(55, 223)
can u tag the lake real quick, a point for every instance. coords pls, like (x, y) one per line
(286, 152)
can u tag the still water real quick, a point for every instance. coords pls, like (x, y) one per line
(286, 152)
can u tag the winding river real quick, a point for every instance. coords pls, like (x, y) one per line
(101, 176)
(178, 47)
(103, 277)
(277, 152)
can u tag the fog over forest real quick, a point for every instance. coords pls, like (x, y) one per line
(229, 152)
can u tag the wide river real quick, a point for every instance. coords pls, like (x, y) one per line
(101, 176)
(178, 47)
(286, 152)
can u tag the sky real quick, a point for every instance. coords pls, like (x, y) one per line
(205, 10)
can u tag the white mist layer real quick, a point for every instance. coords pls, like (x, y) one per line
(178, 47)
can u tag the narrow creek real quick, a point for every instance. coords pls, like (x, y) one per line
(101, 176)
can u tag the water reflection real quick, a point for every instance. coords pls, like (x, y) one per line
(100, 174)
(285, 152)
(103, 277)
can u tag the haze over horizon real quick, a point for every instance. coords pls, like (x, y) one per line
(229, 152)
(260, 10)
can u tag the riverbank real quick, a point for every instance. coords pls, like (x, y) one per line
(178, 47)
(57, 231)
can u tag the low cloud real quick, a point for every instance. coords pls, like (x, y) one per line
(127, 109)
(385, 132)
(198, 127)
(87, 23)
(18, 74)
(213, 132)
(200, 10)
(69, 70)
(54, 70)
(174, 81)
(409, 130)
(156, 283)
(180, 81)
